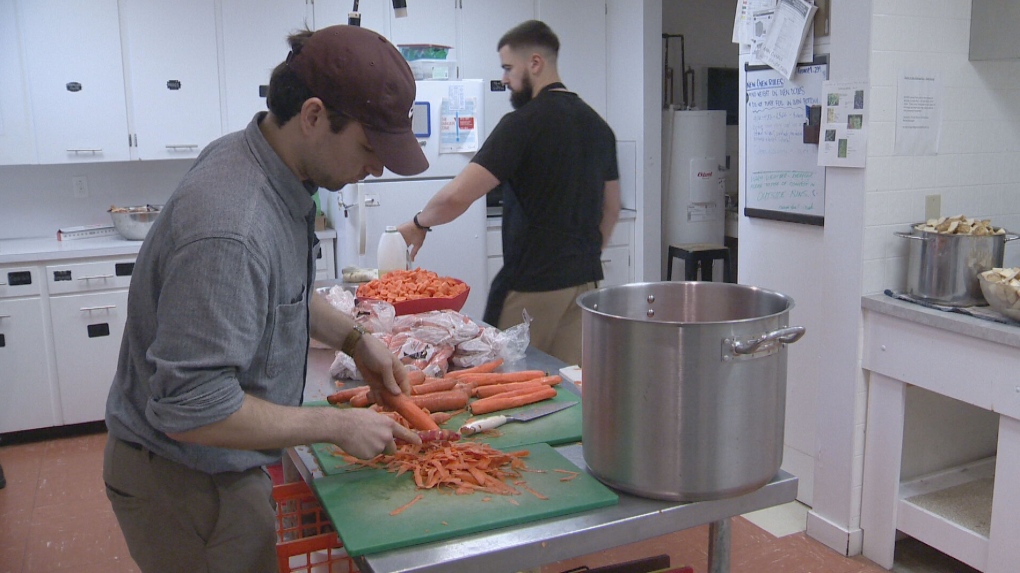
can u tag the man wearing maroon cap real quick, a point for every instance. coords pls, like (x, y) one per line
(221, 306)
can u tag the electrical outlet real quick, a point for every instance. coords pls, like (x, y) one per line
(932, 206)
(80, 187)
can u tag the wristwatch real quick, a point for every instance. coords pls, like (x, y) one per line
(351, 342)
(419, 225)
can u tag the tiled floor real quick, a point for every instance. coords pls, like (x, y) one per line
(54, 517)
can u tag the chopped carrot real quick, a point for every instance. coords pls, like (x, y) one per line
(399, 285)
(401, 509)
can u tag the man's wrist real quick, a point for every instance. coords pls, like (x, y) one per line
(352, 340)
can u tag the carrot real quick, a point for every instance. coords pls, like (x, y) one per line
(435, 385)
(413, 413)
(345, 395)
(506, 400)
(401, 509)
(362, 400)
(493, 389)
(415, 377)
(441, 401)
(486, 378)
(443, 417)
(481, 368)
(401, 285)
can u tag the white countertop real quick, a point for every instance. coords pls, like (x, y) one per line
(35, 249)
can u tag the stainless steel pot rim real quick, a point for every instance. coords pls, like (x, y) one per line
(761, 291)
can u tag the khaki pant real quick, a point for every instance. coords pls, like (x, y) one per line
(556, 325)
(176, 519)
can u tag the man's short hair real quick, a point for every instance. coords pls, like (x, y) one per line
(287, 93)
(531, 34)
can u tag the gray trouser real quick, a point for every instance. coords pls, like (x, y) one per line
(178, 519)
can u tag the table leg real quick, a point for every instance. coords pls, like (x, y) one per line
(719, 546)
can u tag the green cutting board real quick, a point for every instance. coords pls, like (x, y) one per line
(563, 427)
(359, 504)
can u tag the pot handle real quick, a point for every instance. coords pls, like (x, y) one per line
(769, 341)
(909, 236)
(1011, 237)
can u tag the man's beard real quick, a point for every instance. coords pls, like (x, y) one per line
(518, 99)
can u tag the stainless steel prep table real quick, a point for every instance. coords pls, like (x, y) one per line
(547, 541)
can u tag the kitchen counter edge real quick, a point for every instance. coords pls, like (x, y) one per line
(1005, 334)
(43, 249)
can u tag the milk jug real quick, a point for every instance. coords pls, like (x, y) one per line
(392, 253)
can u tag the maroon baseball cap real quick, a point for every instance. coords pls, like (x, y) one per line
(360, 74)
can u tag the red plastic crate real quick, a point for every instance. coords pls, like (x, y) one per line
(305, 539)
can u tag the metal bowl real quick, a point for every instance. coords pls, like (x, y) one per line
(1002, 297)
(133, 223)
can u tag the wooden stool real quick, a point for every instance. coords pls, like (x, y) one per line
(699, 255)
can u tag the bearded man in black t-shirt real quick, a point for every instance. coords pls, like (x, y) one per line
(555, 158)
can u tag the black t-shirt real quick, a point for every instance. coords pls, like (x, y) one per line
(553, 157)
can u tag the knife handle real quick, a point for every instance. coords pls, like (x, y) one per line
(489, 423)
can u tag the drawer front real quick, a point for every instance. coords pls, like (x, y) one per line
(20, 281)
(91, 276)
(494, 242)
(622, 233)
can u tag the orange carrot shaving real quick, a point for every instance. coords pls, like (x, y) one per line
(464, 467)
(523, 485)
(570, 475)
(401, 509)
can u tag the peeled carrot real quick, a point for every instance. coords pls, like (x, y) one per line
(493, 389)
(412, 412)
(505, 401)
(346, 394)
(436, 385)
(486, 378)
(415, 377)
(441, 401)
(481, 368)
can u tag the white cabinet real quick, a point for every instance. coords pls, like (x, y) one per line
(88, 311)
(26, 384)
(482, 23)
(17, 138)
(255, 42)
(72, 56)
(170, 60)
(581, 28)
(325, 259)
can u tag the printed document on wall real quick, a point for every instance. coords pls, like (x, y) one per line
(457, 126)
(762, 19)
(843, 141)
(744, 25)
(918, 112)
(786, 33)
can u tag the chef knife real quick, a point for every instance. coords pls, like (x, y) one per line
(525, 416)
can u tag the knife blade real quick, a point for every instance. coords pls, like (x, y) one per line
(525, 416)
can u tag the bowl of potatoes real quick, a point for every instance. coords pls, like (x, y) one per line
(1001, 287)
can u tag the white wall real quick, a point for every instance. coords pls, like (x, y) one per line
(36, 200)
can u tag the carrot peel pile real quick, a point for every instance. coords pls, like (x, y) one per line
(464, 467)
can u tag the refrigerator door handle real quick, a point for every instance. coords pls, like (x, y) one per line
(362, 231)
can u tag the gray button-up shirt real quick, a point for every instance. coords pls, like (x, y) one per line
(218, 305)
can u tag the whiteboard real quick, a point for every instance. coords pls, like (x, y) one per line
(783, 179)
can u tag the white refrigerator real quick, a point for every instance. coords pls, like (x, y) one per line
(693, 181)
(448, 120)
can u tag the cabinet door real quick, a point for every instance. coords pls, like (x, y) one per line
(581, 28)
(26, 385)
(615, 266)
(255, 42)
(17, 140)
(171, 63)
(482, 23)
(375, 15)
(76, 79)
(87, 329)
(427, 22)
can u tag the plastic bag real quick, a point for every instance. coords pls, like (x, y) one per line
(492, 343)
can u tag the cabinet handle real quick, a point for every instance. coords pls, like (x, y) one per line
(183, 146)
(3, 284)
(103, 307)
(3, 316)
(92, 151)
(95, 277)
(606, 261)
